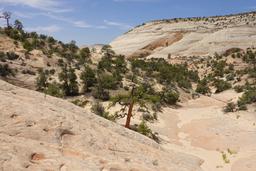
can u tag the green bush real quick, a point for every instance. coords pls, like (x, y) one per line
(5, 70)
(170, 97)
(248, 97)
(3, 57)
(221, 85)
(144, 129)
(80, 103)
(108, 82)
(99, 93)
(41, 80)
(239, 88)
(12, 56)
(54, 89)
(88, 78)
(202, 87)
(99, 110)
(28, 46)
(69, 81)
(230, 77)
(230, 107)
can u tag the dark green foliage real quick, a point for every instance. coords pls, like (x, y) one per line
(69, 81)
(54, 89)
(5, 71)
(41, 80)
(27, 71)
(144, 129)
(100, 93)
(108, 81)
(28, 46)
(99, 110)
(230, 77)
(202, 87)
(232, 51)
(80, 103)
(61, 62)
(8, 56)
(170, 96)
(221, 85)
(248, 97)
(88, 78)
(84, 55)
(18, 25)
(120, 64)
(218, 67)
(3, 57)
(239, 88)
(73, 47)
(107, 51)
(164, 72)
(12, 56)
(51, 40)
(105, 64)
(230, 107)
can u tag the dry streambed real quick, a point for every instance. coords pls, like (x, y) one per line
(225, 142)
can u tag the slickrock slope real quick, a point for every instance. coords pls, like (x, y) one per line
(39, 132)
(188, 37)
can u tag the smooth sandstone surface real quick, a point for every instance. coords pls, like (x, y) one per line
(39, 132)
(161, 39)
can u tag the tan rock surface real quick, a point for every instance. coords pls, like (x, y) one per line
(40, 132)
(188, 38)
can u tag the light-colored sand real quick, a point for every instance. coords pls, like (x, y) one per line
(202, 129)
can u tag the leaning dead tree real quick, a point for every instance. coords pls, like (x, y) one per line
(6, 15)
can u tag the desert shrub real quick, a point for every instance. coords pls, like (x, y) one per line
(99, 110)
(108, 81)
(69, 81)
(239, 88)
(12, 56)
(146, 115)
(230, 77)
(99, 93)
(221, 85)
(27, 71)
(88, 78)
(54, 89)
(164, 72)
(80, 103)
(232, 51)
(3, 57)
(105, 64)
(5, 70)
(52, 71)
(170, 97)
(144, 129)
(84, 55)
(28, 46)
(184, 83)
(230, 107)
(60, 62)
(231, 67)
(41, 80)
(218, 68)
(248, 97)
(202, 87)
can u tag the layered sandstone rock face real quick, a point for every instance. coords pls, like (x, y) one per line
(188, 37)
(39, 132)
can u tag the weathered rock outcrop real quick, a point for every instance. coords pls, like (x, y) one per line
(188, 37)
(39, 132)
